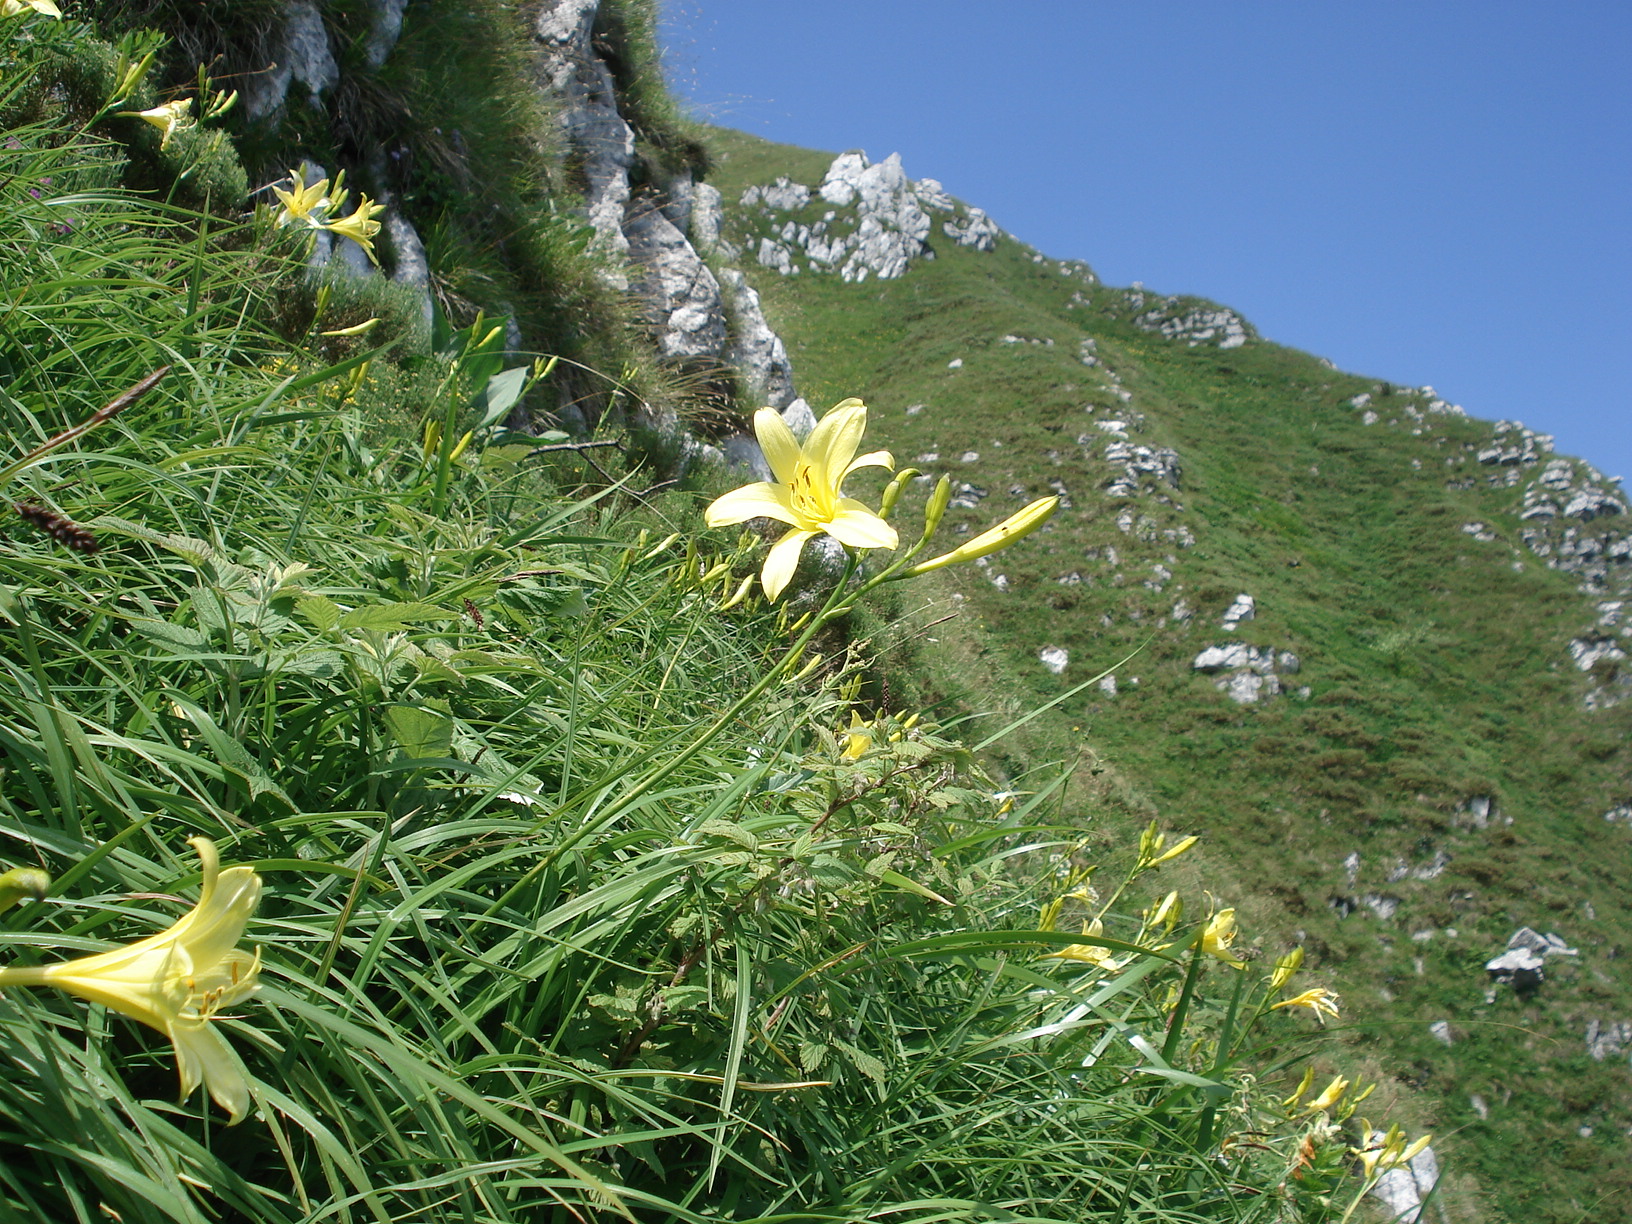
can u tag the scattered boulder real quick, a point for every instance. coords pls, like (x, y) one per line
(1244, 608)
(1521, 965)
(1604, 1040)
(1055, 658)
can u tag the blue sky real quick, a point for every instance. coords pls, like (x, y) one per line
(1427, 192)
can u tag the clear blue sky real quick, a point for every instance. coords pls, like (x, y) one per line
(1429, 191)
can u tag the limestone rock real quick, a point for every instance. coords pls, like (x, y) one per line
(1055, 658)
(303, 56)
(878, 222)
(1402, 1189)
(681, 296)
(1195, 325)
(384, 28)
(1244, 608)
(573, 71)
(756, 351)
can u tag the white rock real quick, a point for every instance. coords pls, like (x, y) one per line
(955, 364)
(1107, 685)
(1055, 658)
(1441, 1029)
(1244, 608)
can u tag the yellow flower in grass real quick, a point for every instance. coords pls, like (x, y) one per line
(1089, 954)
(858, 739)
(176, 981)
(16, 8)
(806, 493)
(1330, 1095)
(1320, 1001)
(170, 118)
(301, 201)
(1284, 969)
(1219, 935)
(360, 227)
(1382, 1152)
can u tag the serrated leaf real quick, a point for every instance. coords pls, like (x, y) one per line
(864, 1062)
(812, 1054)
(393, 616)
(729, 831)
(419, 732)
(318, 611)
(878, 867)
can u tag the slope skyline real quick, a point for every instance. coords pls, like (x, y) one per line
(1421, 197)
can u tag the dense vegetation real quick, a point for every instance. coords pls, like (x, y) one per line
(587, 883)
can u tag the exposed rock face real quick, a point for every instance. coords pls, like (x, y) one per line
(1403, 1189)
(682, 297)
(1521, 965)
(1193, 323)
(1055, 658)
(692, 315)
(304, 56)
(863, 219)
(1604, 1040)
(572, 71)
(756, 351)
(1244, 608)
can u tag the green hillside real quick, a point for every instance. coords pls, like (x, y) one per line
(1434, 671)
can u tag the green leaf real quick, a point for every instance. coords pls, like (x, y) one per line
(503, 390)
(902, 882)
(420, 732)
(393, 616)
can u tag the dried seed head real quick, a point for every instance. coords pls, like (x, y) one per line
(59, 527)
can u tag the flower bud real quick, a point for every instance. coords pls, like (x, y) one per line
(892, 491)
(22, 882)
(1021, 523)
(935, 511)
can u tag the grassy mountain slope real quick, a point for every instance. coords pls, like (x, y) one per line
(1433, 644)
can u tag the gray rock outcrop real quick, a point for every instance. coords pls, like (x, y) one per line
(863, 219)
(302, 54)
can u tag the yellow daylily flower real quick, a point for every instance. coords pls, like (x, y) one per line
(16, 8)
(1165, 914)
(1019, 524)
(1284, 969)
(1089, 954)
(1329, 1096)
(806, 493)
(1319, 1000)
(1383, 1152)
(360, 227)
(176, 981)
(169, 118)
(858, 739)
(302, 201)
(1219, 935)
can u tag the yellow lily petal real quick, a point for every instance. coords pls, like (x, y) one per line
(859, 527)
(782, 561)
(752, 501)
(832, 444)
(777, 441)
(1219, 935)
(878, 458)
